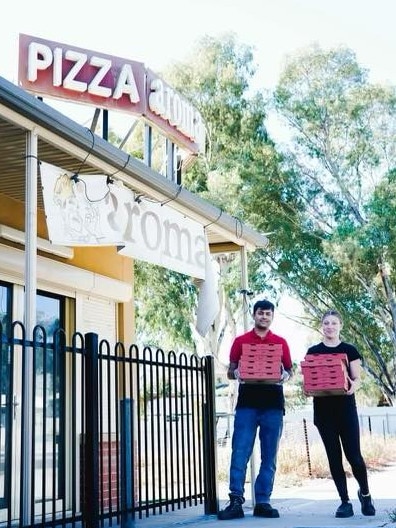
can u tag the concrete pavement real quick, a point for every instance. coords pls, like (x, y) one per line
(311, 505)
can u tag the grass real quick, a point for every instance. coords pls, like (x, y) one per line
(298, 462)
(392, 516)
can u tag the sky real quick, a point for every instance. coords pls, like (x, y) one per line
(158, 32)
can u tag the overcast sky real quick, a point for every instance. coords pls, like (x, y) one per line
(158, 31)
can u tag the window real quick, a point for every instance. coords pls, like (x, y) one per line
(50, 391)
(5, 305)
(50, 313)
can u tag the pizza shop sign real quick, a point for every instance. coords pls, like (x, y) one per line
(67, 72)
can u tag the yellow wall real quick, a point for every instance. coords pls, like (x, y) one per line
(12, 213)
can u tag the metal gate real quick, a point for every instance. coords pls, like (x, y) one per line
(116, 432)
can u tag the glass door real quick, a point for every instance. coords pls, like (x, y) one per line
(49, 394)
(49, 427)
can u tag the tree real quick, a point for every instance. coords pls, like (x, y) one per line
(165, 303)
(343, 156)
(324, 196)
(215, 78)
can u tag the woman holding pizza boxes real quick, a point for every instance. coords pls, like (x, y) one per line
(335, 413)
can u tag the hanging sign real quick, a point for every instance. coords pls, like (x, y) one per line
(91, 210)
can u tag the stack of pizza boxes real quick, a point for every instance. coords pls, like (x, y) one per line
(260, 363)
(325, 374)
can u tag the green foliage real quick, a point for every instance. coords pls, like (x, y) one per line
(165, 304)
(343, 131)
(392, 516)
(327, 197)
(216, 80)
(343, 155)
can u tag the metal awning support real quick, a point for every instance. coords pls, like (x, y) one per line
(31, 231)
(245, 288)
(30, 319)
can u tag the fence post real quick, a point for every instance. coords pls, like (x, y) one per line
(210, 444)
(91, 436)
(127, 485)
(307, 447)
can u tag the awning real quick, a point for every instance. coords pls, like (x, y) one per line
(65, 143)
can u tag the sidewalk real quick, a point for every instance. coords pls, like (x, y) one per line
(309, 506)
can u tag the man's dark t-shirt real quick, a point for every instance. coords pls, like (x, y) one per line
(260, 395)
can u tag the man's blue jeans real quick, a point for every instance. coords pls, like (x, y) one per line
(270, 425)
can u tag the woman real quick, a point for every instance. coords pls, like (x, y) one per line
(337, 420)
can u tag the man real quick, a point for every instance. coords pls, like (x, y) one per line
(259, 406)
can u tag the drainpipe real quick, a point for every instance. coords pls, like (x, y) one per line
(29, 321)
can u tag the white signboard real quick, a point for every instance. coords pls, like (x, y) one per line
(89, 210)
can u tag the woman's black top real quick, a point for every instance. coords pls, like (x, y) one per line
(330, 406)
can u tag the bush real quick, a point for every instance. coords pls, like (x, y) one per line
(392, 516)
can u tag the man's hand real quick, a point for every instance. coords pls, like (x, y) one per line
(237, 376)
(285, 376)
(232, 367)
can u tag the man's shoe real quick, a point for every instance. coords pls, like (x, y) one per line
(344, 510)
(233, 510)
(264, 509)
(367, 504)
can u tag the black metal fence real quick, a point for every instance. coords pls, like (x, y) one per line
(93, 434)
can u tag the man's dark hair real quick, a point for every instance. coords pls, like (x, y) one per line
(264, 305)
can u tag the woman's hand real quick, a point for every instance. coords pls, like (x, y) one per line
(353, 385)
(354, 376)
